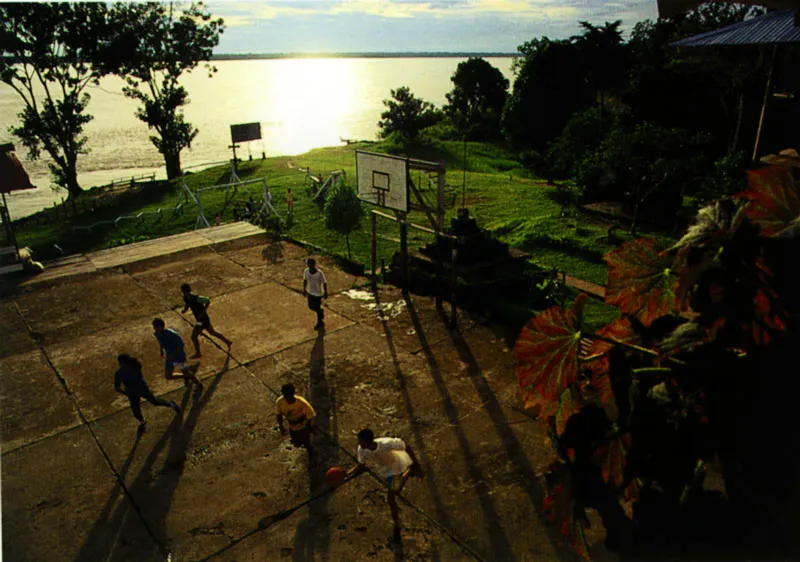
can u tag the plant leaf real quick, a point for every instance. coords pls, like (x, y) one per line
(641, 280)
(612, 456)
(774, 199)
(713, 224)
(690, 336)
(579, 543)
(567, 405)
(620, 330)
(547, 352)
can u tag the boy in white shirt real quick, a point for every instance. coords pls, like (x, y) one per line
(393, 459)
(315, 287)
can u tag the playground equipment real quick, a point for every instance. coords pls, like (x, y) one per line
(320, 187)
(263, 207)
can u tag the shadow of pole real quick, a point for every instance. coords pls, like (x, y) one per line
(501, 549)
(312, 536)
(525, 472)
(151, 491)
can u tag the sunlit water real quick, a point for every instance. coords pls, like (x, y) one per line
(300, 103)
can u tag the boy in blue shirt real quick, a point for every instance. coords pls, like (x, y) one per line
(174, 355)
(129, 376)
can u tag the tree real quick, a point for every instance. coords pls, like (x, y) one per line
(156, 46)
(603, 58)
(696, 372)
(475, 105)
(45, 56)
(548, 89)
(343, 211)
(406, 115)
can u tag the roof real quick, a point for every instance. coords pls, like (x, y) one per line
(667, 8)
(12, 175)
(771, 28)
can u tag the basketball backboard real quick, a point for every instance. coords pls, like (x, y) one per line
(382, 180)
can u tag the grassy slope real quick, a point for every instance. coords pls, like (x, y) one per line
(500, 193)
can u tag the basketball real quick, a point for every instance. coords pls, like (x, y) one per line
(335, 476)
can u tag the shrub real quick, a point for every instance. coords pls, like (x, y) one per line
(639, 410)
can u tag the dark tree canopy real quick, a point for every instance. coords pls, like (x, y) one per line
(52, 46)
(603, 58)
(475, 105)
(156, 45)
(548, 89)
(406, 115)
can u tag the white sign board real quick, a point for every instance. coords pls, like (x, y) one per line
(382, 180)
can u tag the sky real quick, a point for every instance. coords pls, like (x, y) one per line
(338, 26)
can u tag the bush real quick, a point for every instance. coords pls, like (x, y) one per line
(343, 210)
(582, 135)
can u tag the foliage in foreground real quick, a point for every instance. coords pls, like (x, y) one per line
(694, 373)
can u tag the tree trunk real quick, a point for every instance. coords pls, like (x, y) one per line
(70, 172)
(173, 162)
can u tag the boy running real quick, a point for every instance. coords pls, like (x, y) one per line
(315, 287)
(171, 344)
(300, 415)
(393, 460)
(199, 306)
(129, 376)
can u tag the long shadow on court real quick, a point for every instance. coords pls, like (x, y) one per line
(153, 488)
(501, 548)
(526, 475)
(312, 537)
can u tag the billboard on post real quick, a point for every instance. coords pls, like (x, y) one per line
(245, 132)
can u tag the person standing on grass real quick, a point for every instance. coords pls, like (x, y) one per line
(315, 287)
(289, 200)
(129, 381)
(171, 344)
(199, 306)
(300, 416)
(393, 459)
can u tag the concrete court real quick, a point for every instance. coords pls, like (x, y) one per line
(79, 484)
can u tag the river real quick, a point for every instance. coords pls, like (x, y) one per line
(300, 103)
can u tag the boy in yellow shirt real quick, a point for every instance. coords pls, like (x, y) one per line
(300, 416)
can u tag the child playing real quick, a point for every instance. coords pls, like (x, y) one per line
(199, 306)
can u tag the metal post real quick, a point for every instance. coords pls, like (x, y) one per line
(764, 105)
(453, 279)
(374, 252)
(404, 252)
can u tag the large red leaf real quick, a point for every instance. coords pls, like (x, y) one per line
(547, 353)
(612, 456)
(620, 330)
(774, 199)
(641, 280)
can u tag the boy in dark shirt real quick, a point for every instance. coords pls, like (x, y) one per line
(199, 306)
(171, 344)
(129, 376)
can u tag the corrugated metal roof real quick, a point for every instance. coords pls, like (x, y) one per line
(773, 27)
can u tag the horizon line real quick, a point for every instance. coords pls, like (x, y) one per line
(366, 54)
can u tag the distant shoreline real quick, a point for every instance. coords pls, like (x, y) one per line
(388, 55)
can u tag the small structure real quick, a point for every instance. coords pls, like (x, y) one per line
(12, 178)
(774, 28)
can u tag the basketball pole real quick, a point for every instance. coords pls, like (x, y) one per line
(374, 251)
(404, 250)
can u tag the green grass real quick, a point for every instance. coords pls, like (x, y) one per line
(500, 193)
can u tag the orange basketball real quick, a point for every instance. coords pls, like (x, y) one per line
(335, 476)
